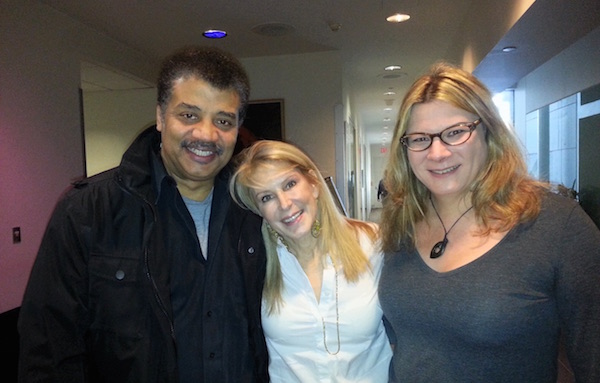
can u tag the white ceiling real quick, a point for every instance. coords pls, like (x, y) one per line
(366, 42)
(95, 78)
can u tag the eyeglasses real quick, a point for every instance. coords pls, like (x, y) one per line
(452, 136)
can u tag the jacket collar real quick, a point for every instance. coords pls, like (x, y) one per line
(142, 170)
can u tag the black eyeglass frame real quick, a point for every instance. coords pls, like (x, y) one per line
(471, 125)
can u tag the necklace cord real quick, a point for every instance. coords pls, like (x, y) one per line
(337, 308)
(439, 248)
(337, 319)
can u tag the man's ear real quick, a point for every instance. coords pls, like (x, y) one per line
(159, 119)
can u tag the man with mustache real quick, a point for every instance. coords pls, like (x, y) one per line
(148, 272)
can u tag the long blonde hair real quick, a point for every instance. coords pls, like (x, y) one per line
(503, 194)
(339, 235)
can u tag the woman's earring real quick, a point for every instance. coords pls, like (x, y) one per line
(315, 230)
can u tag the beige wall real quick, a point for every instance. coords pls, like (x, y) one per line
(112, 120)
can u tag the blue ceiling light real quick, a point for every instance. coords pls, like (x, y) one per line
(214, 34)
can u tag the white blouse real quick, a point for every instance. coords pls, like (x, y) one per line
(295, 336)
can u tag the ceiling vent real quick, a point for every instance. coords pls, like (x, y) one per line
(273, 29)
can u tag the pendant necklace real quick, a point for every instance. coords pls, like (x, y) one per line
(337, 308)
(337, 318)
(439, 248)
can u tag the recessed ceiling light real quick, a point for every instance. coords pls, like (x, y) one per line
(393, 67)
(214, 34)
(390, 93)
(398, 18)
(387, 109)
(334, 27)
(386, 119)
(509, 49)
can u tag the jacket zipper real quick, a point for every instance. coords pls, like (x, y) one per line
(159, 301)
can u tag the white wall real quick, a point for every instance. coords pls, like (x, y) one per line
(478, 36)
(311, 86)
(40, 138)
(41, 142)
(112, 120)
(571, 71)
(378, 163)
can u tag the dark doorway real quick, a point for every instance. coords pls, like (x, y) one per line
(589, 161)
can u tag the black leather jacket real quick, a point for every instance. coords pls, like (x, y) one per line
(98, 304)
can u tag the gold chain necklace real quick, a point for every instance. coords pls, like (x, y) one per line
(337, 318)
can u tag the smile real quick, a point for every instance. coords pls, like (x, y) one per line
(201, 153)
(448, 170)
(202, 149)
(292, 218)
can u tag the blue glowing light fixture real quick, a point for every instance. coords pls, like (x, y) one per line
(214, 34)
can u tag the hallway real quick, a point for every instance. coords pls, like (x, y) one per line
(375, 215)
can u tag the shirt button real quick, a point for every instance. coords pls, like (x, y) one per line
(251, 250)
(120, 274)
(209, 314)
(211, 355)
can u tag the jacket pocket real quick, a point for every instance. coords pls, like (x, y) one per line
(116, 297)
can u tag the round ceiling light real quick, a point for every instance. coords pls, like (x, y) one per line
(393, 67)
(214, 34)
(398, 18)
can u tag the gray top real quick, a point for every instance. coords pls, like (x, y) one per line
(200, 212)
(498, 318)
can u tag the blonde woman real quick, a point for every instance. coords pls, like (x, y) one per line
(320, 312)
(485, 268)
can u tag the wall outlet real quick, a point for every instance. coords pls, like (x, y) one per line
(16, 232)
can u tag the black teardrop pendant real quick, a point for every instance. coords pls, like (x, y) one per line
(438, 248)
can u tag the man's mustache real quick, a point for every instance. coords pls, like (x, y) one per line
(204, 146)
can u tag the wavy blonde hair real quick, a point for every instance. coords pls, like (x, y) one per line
(339, 235)
(503, 194)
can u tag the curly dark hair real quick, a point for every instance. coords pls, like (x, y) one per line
(219, 68)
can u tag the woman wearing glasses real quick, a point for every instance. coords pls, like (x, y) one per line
(485, 269)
